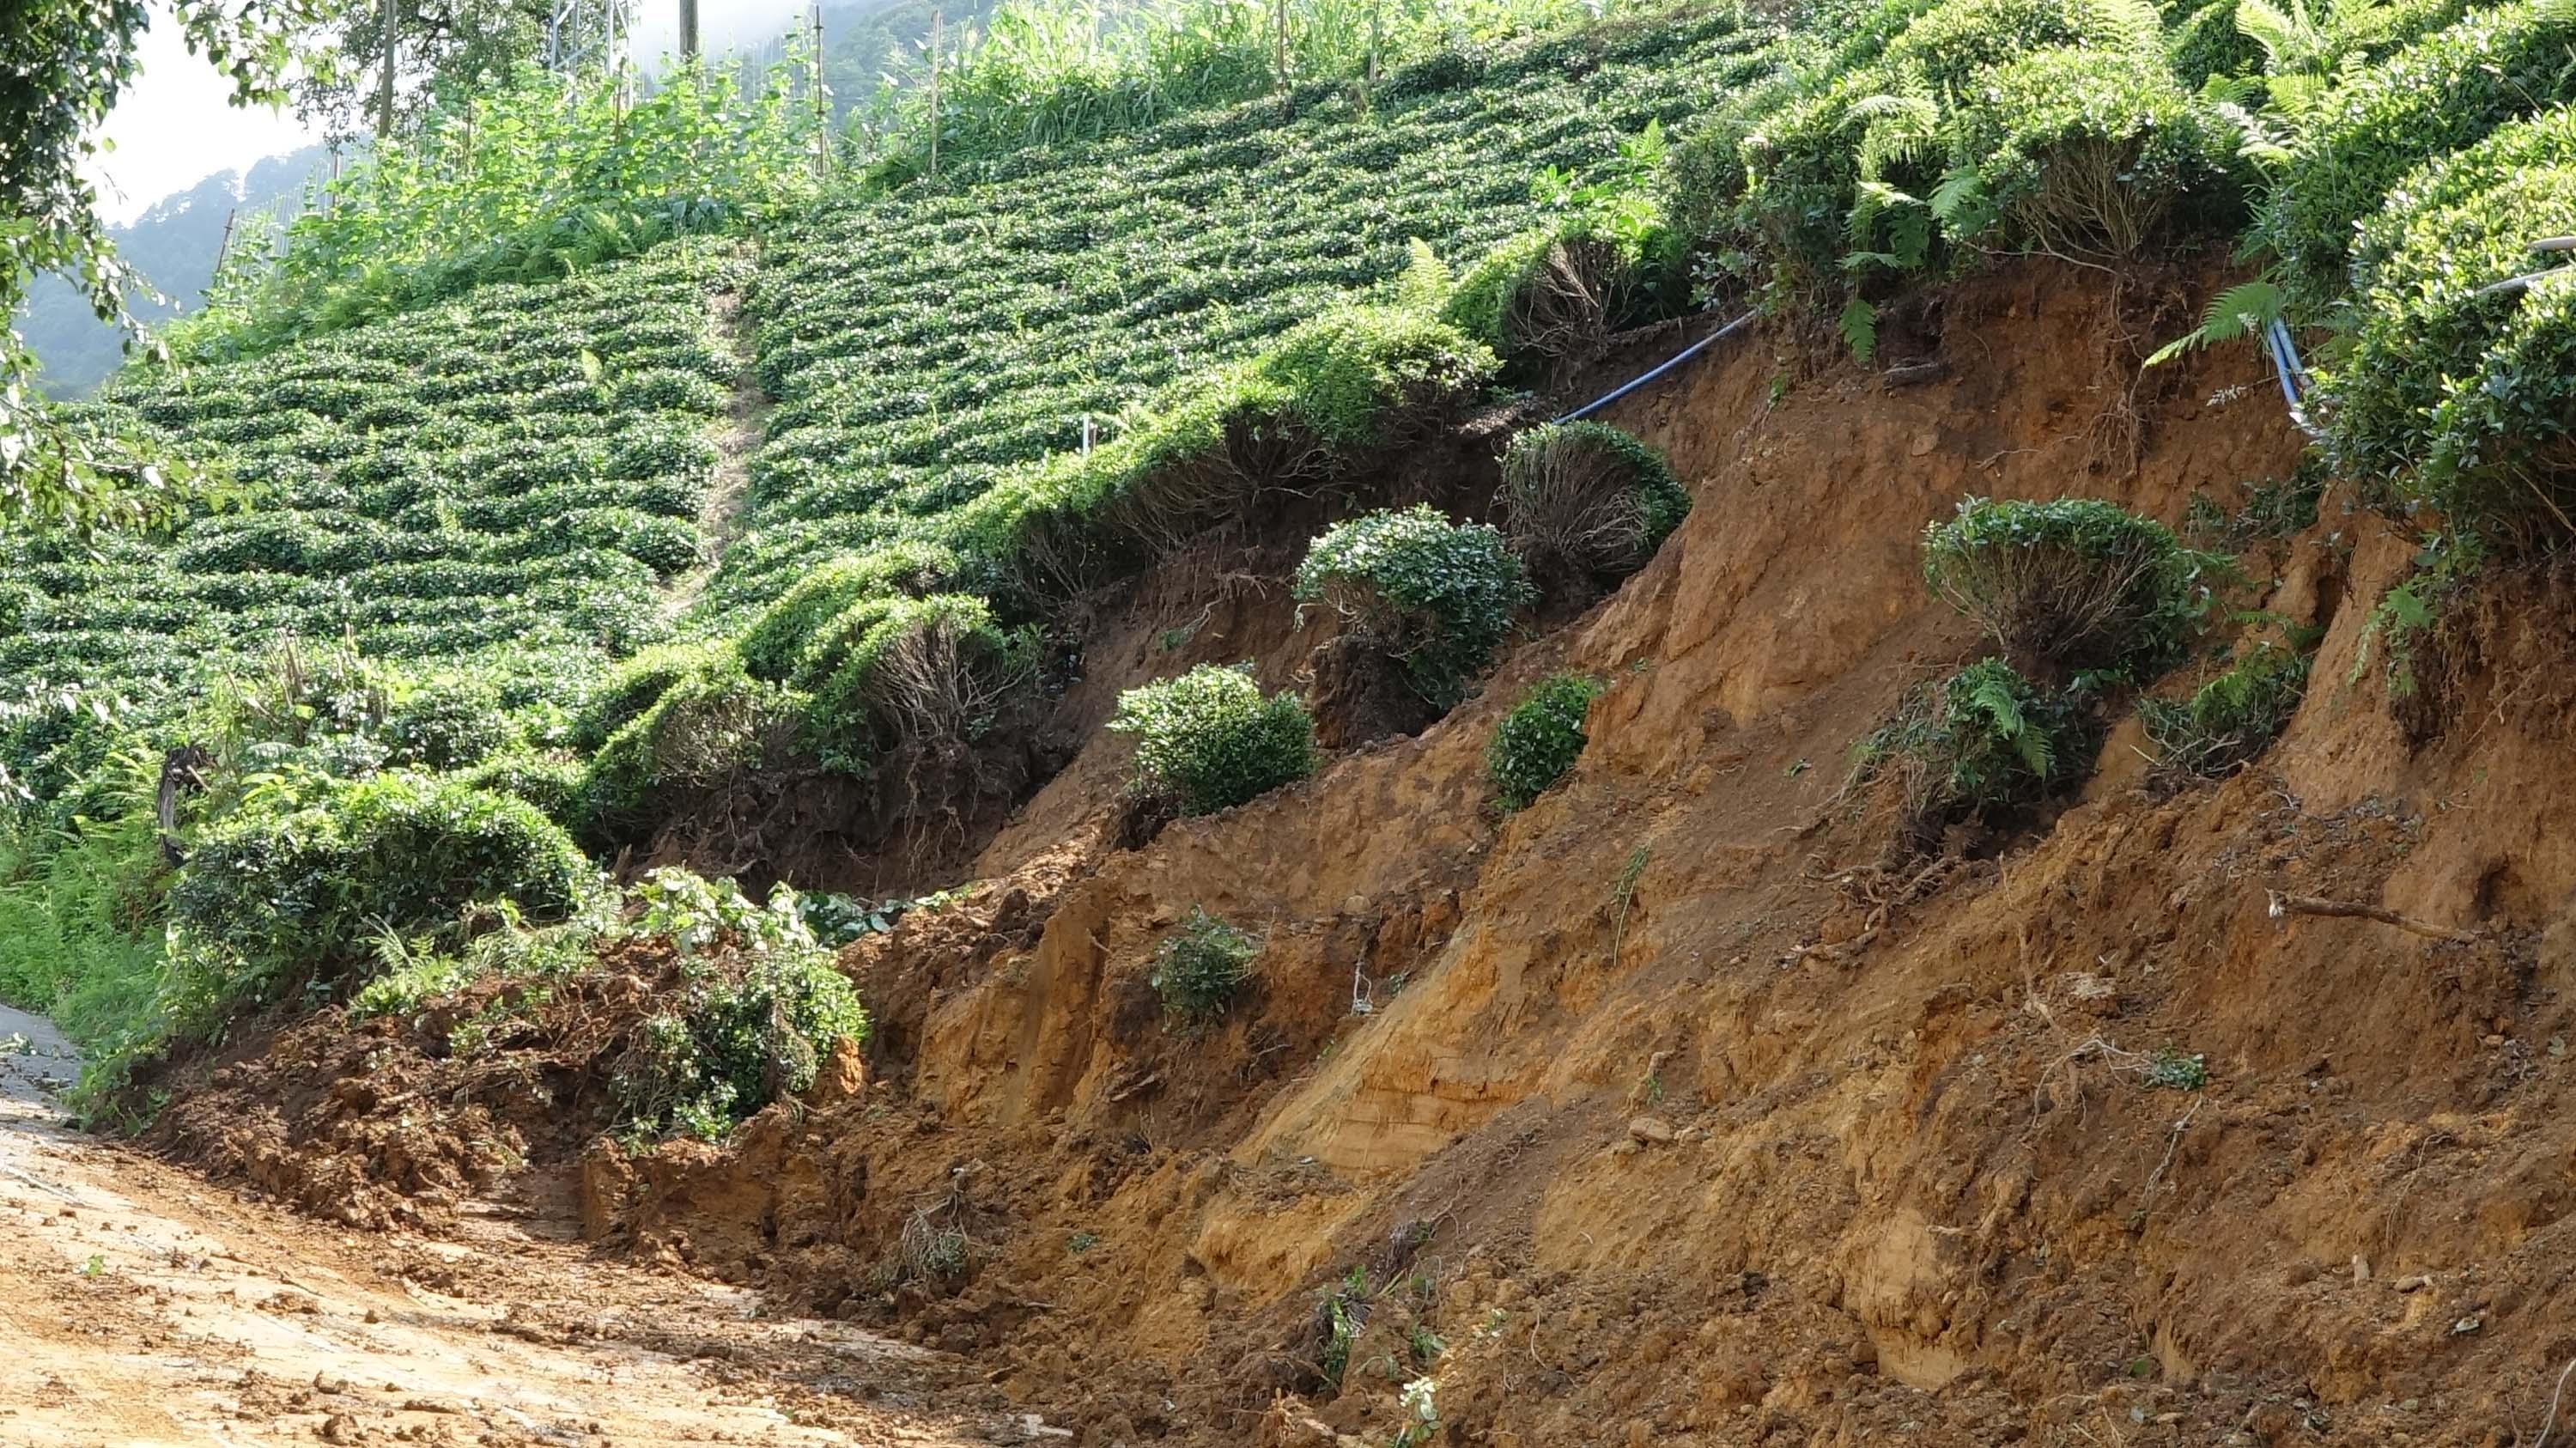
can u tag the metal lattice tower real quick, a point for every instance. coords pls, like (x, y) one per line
(588, 36)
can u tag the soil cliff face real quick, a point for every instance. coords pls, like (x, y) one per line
(1677, 1108)
(1669, 1110)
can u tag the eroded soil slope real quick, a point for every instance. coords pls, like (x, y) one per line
(1677, 1110)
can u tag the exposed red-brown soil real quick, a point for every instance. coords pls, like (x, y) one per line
(1674, 1109)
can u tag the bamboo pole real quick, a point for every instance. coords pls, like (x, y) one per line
(934, 95)
(822, 103)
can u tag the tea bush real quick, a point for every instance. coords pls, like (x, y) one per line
(1202, 966)
(1585, 503)
(1209, 740)
(2461, 398)
(1436, 596)
(293, 891)
(1540, 739)
(2069, 585)
(1976, 747)
(2444, 92)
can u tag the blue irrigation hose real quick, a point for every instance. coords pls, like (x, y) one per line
(2295, 382)
(1677, 359)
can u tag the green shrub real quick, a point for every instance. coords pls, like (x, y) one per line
(449, 720)
(784, 631)
(1975, 747)
(1538, 741)
(2070, 585)
(709, 724)
(2440, 94)
(550, 782)
(931, 673)
(1585, 503)
(633, 686)
(2463, 400)
(1367, 376)
(763, 1006)
(294, 892)
(2229, 720)
(1208, 740)
(1436, 596)
(2087, 152)
(1202, 966)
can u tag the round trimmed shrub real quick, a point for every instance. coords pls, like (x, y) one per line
(775, 644)
(2069, 585)
(888, 673)
(1208, 740)
(2436, 96)
(1585, 503)
(1202, 966)
(633, 686)
(2090, 151)
(1540, 739)
(1436, 596)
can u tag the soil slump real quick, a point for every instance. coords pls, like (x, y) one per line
(1673, 1109)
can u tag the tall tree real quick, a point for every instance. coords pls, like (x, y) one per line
(63, 63)
(342, 82)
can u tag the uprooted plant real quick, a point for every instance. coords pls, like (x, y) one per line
(1539, 740)
(1435, 597)
(1585, 505)
(1202, 966)
(761, 1008)
(1973, 748)
(2230, 719)
(2070, 586)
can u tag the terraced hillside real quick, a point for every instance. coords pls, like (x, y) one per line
(920, 346)
(514, 477)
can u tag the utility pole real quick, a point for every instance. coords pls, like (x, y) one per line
(822, 104)
(934, 95)
(385, 79)
(688, 30)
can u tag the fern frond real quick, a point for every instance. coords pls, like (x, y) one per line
(2236, 313)
(1859, 323)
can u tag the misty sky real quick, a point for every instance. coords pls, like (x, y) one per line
(173, 128)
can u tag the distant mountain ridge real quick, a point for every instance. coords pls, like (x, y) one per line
(174, 244)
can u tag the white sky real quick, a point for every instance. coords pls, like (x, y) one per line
(174, 126)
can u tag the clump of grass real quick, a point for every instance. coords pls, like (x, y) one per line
(1202, 966)
(1210, 740)
(1539, 740)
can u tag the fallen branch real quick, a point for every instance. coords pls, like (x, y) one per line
(2286, 905)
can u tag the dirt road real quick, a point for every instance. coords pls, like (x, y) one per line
(139, 1305)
